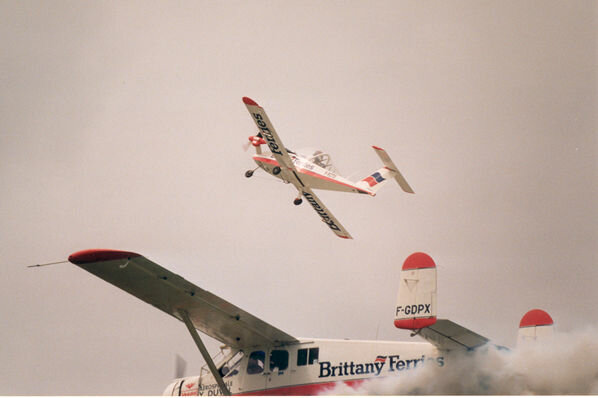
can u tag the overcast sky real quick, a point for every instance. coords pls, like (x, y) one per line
(122, 125)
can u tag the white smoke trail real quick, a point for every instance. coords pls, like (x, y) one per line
(567, 364)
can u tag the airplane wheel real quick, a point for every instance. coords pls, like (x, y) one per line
(248, 173)
(297, 201)
(276, 170)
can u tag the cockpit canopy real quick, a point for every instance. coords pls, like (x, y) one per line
(318, 157)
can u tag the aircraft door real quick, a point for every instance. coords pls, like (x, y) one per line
(278, 373)
(255, 373)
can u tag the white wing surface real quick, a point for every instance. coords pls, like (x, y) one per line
(170, 293)
(268, 133)
(325, 214)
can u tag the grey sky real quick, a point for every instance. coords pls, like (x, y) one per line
(121, 126)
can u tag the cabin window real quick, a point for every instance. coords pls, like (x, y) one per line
(313, 355)
(302, 357)
(231, 367)
(256, 361)
(307, 356)
(279, 360)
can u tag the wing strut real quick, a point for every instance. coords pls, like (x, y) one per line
(204, 351)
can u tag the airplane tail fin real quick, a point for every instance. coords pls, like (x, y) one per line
(374, 181)
(535, 326)
(416, 302)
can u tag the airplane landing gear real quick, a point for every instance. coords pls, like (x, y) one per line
(249, 173)
(297, 201)
(276, 170)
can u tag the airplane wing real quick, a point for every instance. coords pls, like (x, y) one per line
(447, 335)
(315, 202)
(268, 133)
(170, 293)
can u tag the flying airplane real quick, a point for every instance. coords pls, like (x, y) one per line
(313, 169)
(260, 359)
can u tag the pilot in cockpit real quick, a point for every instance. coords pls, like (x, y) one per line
(321, 159)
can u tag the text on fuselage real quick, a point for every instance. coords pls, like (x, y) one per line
(414, 309)
(395, 364)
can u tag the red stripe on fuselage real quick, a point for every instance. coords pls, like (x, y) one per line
(311, 173)
(304, 389)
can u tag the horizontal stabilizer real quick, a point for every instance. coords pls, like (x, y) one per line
(170, 293)
(447, 335)
(390, 165)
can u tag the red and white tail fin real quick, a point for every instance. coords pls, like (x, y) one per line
(535, 326)
(416, 302)
(374, 181)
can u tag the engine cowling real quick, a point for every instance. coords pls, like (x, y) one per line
(183, 387)
(256, 140)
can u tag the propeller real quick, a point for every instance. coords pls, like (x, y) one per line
(255, 140)
(180, 366)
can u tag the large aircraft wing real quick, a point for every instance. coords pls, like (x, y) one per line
(447, 335)
(315, 202)
(268, 133)
(170, 293)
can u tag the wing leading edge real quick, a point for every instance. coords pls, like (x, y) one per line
(171, 293)
(267, 131)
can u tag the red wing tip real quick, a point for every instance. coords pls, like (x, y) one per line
(99, 255)
(377, 148)
(418, 260)
(535, 317)
(249, 101)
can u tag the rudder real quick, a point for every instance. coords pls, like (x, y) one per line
(535, 326)
(416, 302)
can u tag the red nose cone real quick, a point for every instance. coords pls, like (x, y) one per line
(99, 255)
(418, 260)
(256, 141)
(535, 318)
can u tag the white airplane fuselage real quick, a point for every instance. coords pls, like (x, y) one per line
(309, 173)
(312, 366)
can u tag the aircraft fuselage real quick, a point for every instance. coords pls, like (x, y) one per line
(309, 173)
(312, 366)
